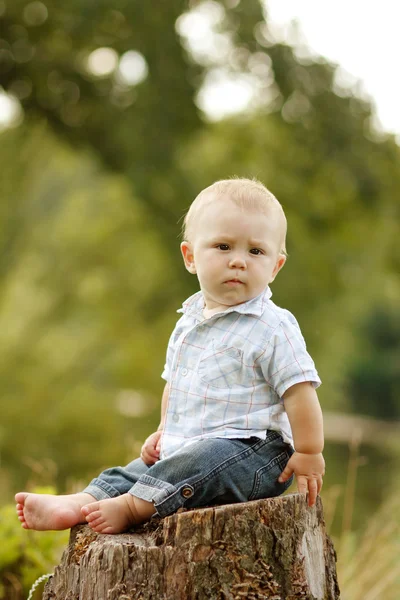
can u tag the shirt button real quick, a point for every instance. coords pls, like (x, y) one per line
(187, 491)
(175, 418)
(184, 372)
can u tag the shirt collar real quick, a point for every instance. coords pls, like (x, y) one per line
(194, 305)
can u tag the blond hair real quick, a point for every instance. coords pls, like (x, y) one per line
(245, 193)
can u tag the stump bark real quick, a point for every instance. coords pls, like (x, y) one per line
(275, 549)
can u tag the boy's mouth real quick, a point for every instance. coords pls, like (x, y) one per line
(234, 282)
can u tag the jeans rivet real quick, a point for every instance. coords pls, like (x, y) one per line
(187, 492)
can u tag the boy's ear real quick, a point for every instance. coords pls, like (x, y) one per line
(188, 257)
(279, 264)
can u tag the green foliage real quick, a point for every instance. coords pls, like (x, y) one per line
(374, 373)
(79, 316)
(90, 273)
(10, 537)
(25, 556)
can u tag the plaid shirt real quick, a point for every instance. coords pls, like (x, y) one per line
(227, 374)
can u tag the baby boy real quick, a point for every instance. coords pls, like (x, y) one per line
(239, 412)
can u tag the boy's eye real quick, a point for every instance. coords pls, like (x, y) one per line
(256, 251)
(223, 246)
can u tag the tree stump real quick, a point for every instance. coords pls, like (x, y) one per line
(275, 549)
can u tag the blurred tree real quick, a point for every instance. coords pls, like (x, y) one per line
(79, 313)
(138, 125)
(136, 128)
(374, 378)
(90, 268)
(341, 200)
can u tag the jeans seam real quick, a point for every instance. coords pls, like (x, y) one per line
(158, 484)
(266, 468)
(104, 487)
(169, 500)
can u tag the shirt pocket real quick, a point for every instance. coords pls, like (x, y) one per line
(222, 367)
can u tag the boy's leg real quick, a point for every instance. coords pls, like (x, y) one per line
(212, 471)
(216, 471)
(116, 481)
(116, 510)
(118, 514)
(45, 512)
(51, 512)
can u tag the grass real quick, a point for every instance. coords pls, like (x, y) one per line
(368, 564)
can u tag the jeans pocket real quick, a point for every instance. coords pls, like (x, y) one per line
(266, 484)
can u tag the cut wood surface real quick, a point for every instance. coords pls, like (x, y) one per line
(275, 549)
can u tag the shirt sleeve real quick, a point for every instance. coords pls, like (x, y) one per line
(286, 361)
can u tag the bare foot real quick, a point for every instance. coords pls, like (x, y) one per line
(48, 512)
(115, 515)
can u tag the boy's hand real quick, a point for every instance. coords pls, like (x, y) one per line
(309, 470)
(150, 453)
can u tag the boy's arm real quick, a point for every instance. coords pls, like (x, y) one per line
(305, 417)
(150, 452)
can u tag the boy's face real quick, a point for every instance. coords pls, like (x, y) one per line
(234, 252)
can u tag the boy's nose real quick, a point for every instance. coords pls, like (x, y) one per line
(237, 262)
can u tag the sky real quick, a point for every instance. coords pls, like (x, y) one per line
(360, 35)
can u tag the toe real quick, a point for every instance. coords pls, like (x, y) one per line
(90, 508)
(109, 530)
(98, 526)
(93, 516)
(21, 497)
(97, 522)
(103, 528)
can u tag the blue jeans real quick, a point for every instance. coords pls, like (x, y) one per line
(208, 472)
